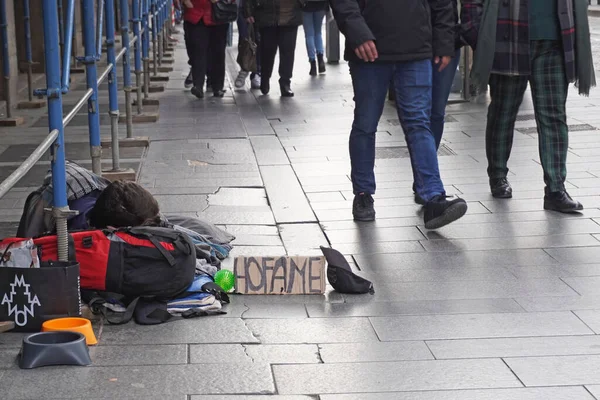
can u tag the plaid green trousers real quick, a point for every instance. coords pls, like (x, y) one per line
(549, 88)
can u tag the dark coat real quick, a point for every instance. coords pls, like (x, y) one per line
(403, 30)
(268, 13)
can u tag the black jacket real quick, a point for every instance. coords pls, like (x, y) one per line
(403, 30)
(269, 13)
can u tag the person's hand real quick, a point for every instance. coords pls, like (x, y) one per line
(250, 20)
(442, 62)
(188, 3)
(367, 51)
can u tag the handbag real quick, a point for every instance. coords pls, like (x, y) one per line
(224, 11)
(247, 52)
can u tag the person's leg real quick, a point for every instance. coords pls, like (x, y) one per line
(309, 35)
(506, 93)
(442, 84)
(269, 40)
(287, 50)
(199, 38)
(440, 91)
(242, 24)
(189, 81)
(217, 44)
(318, 18)
(370, 82)
(549, 90)
(412, 84)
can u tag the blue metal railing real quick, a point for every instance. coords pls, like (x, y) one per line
(58, 37)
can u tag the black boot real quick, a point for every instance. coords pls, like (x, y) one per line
(322, 68)
(286, 90)
(561, 202)
(313, 68)
(265, 86)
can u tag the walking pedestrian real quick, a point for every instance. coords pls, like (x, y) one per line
(277, 22)
(395, 41)
(441, 86)
(313, 13)
(243, 33)
(205, 42)
(548, 51)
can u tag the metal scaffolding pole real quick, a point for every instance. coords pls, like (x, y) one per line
(126, 65)
(113, 94)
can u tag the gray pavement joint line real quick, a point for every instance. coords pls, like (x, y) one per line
(582, 321)
(429, 348)
(570, 287)
(588, 390)
(245, 311)
(513, 372)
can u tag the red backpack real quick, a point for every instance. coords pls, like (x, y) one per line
(140, 261)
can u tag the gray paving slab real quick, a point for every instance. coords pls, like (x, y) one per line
(556, 371)
(374, 352)
(559, 303)
(460, 290)
(219, 330)
(512, 242)
(253, 397)
(424, 307)
(318, 330)
(242, 308)
(303, 239)
(378, 377)
(591, 318)
(238, 215)
(594, 390)
(269, 151)
(585, 255)
(269, 354)
(138, 382)
(286, 196)
(458, 259)
(478, 326)
(515, 347)
(554, 393)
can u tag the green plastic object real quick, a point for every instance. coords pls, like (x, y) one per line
(225, 279)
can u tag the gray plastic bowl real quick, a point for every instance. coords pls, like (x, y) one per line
(54, 348)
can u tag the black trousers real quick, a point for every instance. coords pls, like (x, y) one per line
(206, 44)
(272, 38)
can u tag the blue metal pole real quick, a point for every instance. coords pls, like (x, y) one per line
(113, 94)
(99, 24)
(136, 11)
(69, 29)
(61, 26)
(91, 75)
(146, 47)
(154, 11)
(159, 29)
(126, 68)
(28, 52)
(5, 58)
(55, 115)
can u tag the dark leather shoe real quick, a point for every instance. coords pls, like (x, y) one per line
(197, 92)
(265, 86)
(286, 90)
(561, 202)
(500, 188)
(362, 208)
(219, 93)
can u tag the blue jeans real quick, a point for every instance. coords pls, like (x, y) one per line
(442, 84)
(412, 83)
(313, 26)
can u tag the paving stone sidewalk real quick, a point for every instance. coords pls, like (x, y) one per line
(503, 304)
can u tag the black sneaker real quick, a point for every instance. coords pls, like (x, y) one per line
(189, 81)
(362, 208)
(197, 92)
(440, 211)
(561, 202)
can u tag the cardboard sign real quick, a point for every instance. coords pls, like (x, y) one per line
(279, 275)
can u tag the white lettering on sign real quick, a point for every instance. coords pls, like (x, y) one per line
(21, 316)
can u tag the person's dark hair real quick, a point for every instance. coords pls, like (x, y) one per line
(124, 203)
